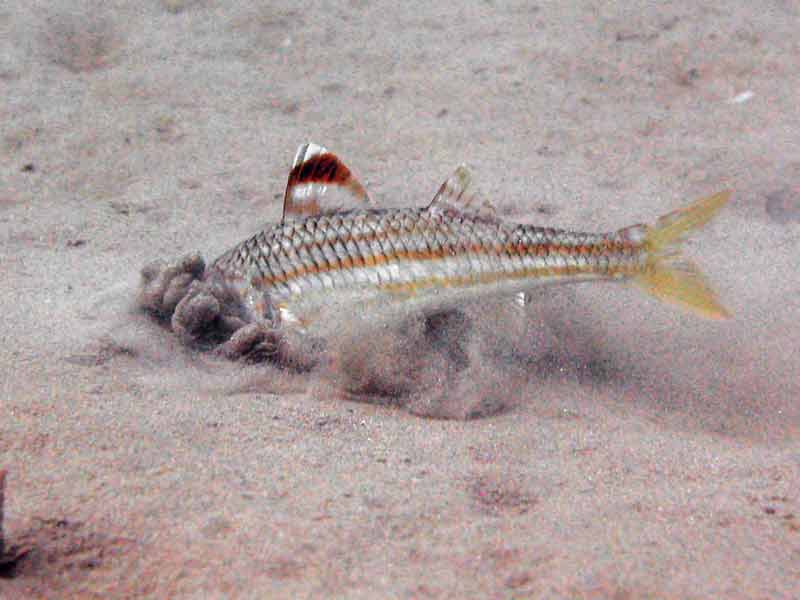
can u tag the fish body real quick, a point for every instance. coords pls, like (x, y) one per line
(334, 253)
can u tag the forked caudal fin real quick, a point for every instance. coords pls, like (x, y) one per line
(667, 275)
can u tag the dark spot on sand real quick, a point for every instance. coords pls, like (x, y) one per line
(446, 331)
(217, 527)
(669, 24)
(75, 243)
(107, 350)
(688, 77)
(518, 580)
(2, 500)
(167, 129)
(82, 43)
(598, 370)
(176, 7)
(501, 496)
(326, 423)
(28, 168)
(59, 548)
(630, 36)
(487, 407)
(8, 564)
(290, 107)
(128, 208)
(284, 568)
(546, 209)
(783, 206)
(332, 88)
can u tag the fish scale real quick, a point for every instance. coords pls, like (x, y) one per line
(412, 250)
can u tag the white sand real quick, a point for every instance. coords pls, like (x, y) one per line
(662, 459)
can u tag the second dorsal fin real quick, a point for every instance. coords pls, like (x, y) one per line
(320, 183)
(454, 195)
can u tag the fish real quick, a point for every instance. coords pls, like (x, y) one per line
(335, 254)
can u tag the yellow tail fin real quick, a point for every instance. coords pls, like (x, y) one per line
(670, 277)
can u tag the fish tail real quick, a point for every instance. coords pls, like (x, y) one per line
(670, 277)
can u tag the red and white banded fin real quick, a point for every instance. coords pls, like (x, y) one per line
(320, 183)
(454, 195)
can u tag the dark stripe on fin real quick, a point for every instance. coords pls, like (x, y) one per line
(320, 183)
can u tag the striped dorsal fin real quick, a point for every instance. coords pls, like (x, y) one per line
(320, 183)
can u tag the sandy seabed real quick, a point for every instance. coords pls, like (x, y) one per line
(635, 452)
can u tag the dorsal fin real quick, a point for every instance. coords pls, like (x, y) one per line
(320, 183)
(454, 195)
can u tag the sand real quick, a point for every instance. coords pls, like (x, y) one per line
(640, 452)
